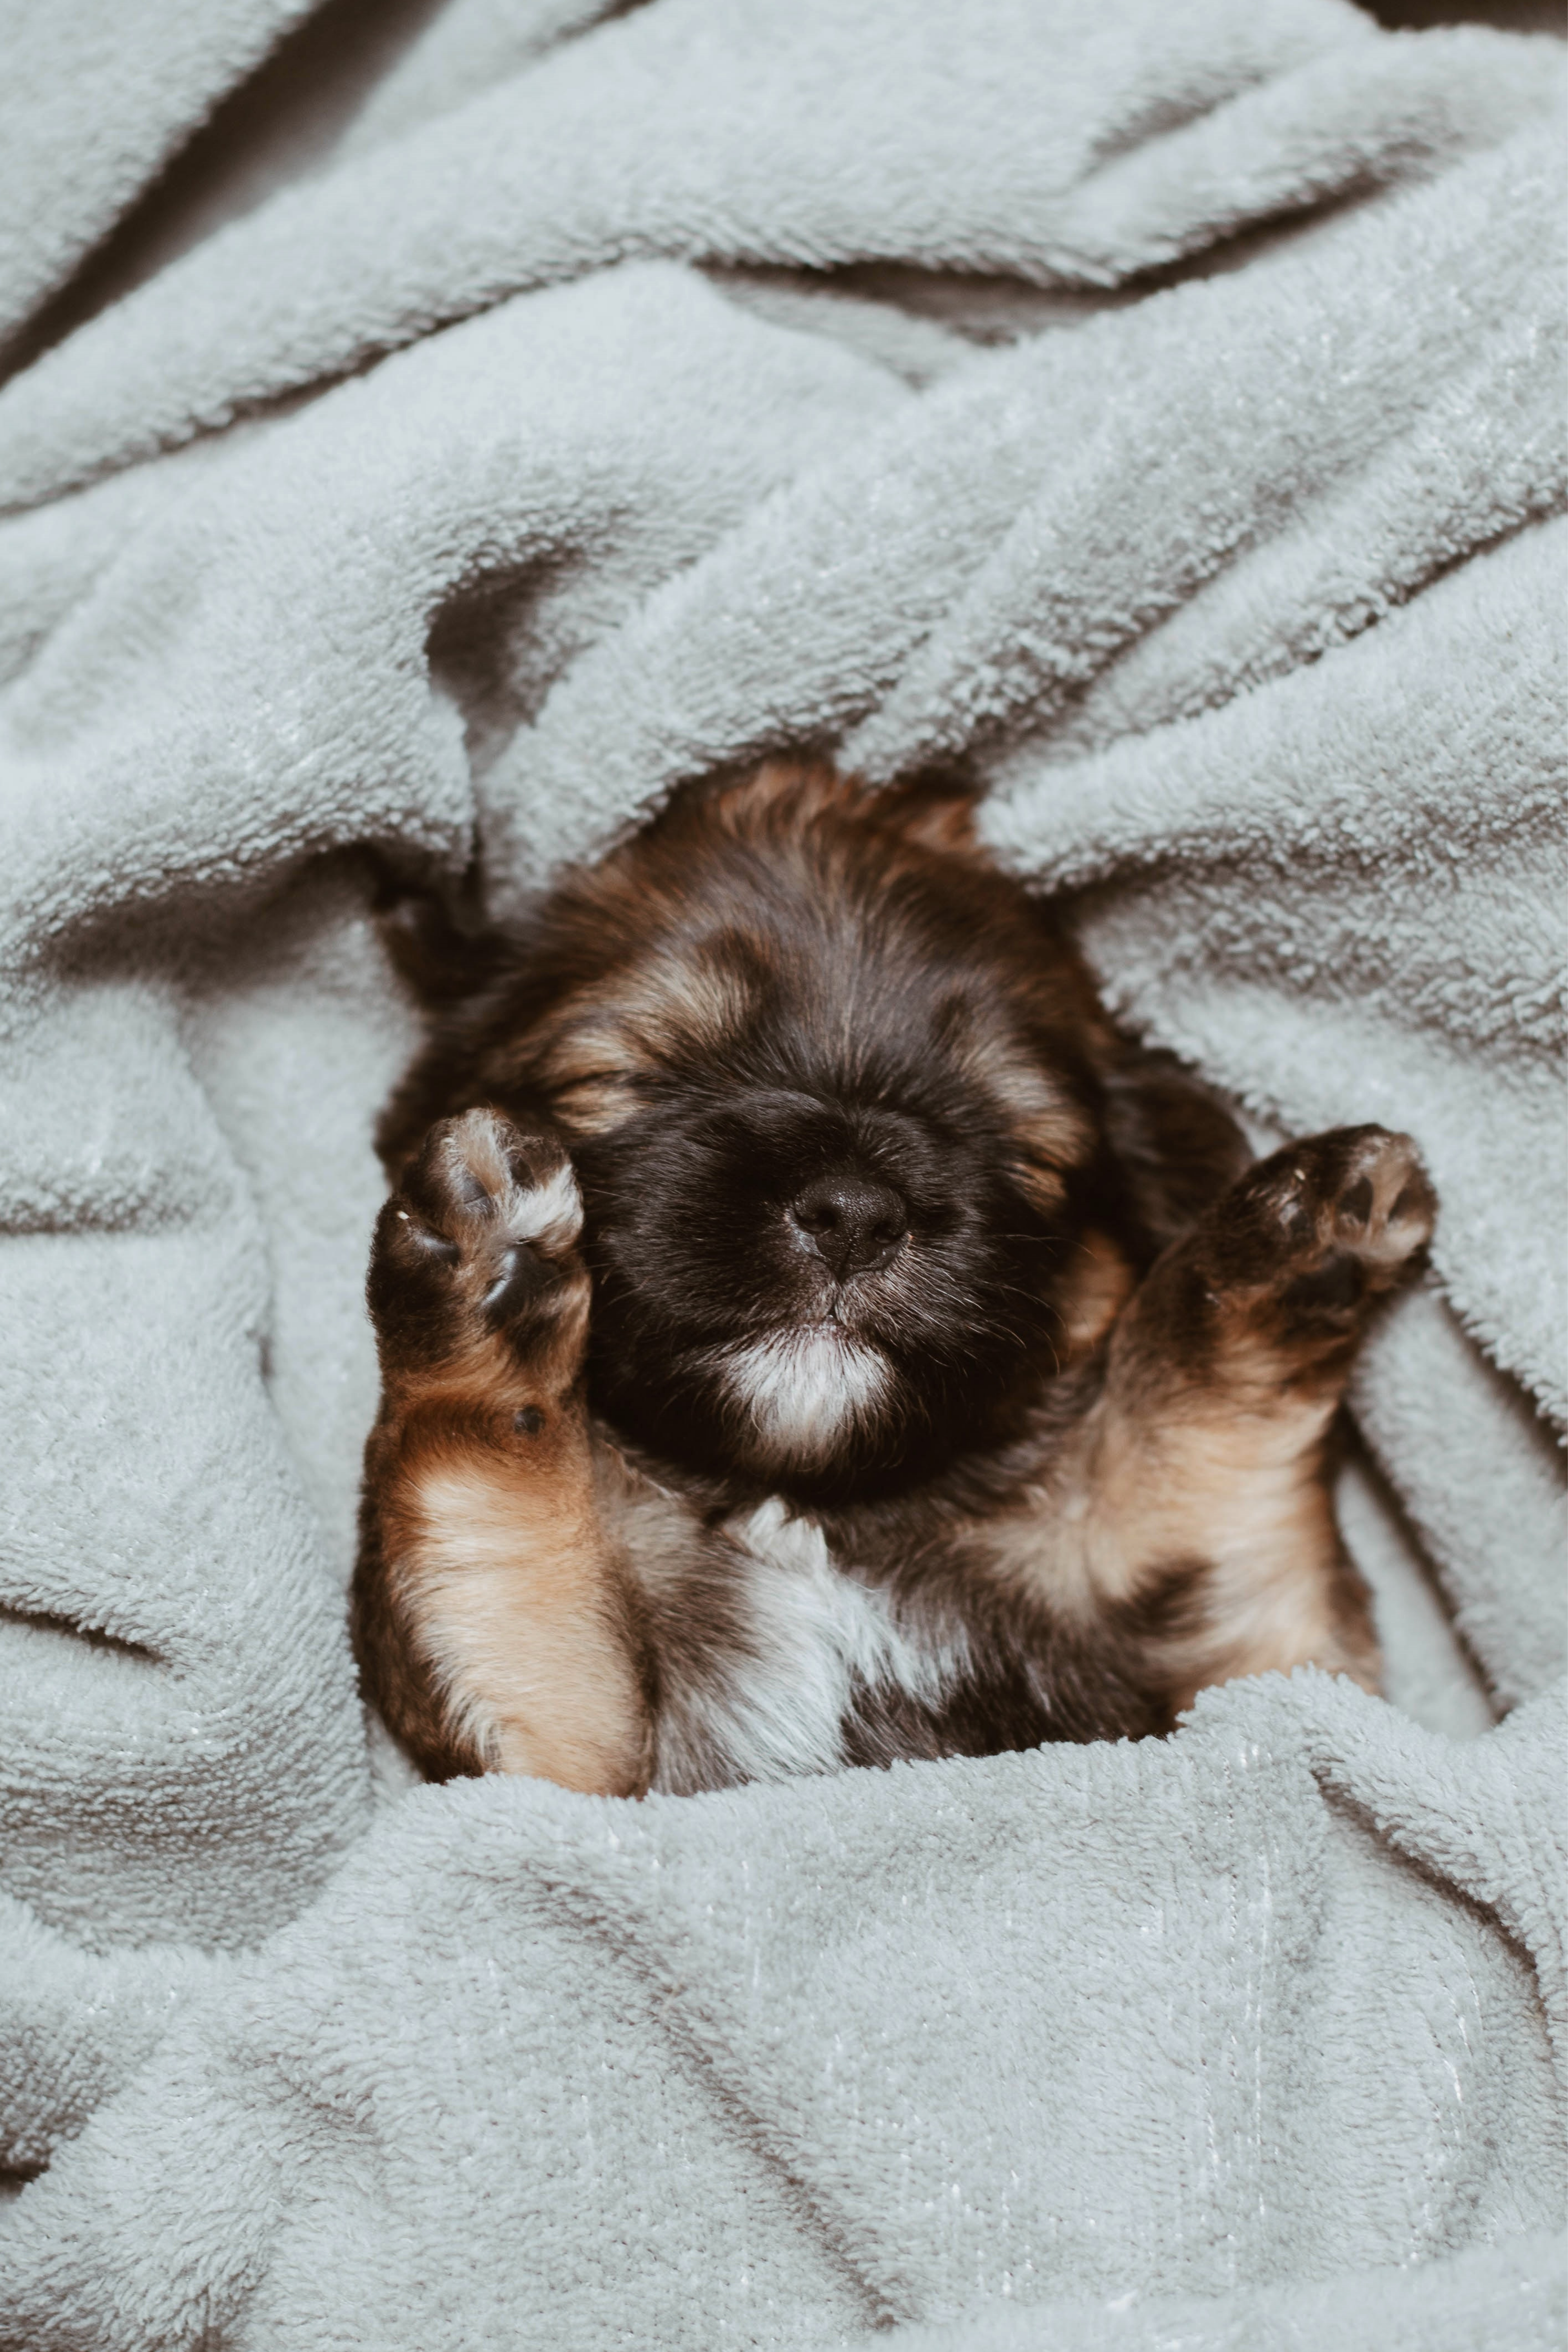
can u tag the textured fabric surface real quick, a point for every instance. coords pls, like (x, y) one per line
(1158, 410)
(93, 101)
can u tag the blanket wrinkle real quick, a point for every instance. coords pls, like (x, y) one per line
(916, 350)
(1244, 461)
(1452, 1432)
(80, 2023)
(721, 1945)
(702, 675)
(592, 157)
(441, 472)
(231, 1692)
(1485, 457)
(91, 108)
(468, 48)
(1291, 805)
(1517, 1864)
(1467, 2304)
(1430, 1671)
(1213, 527)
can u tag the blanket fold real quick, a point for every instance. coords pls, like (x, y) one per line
(1064, 144)
(1155, 413)
(91, 105)
(1121, 2089)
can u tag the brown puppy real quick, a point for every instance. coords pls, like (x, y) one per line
(810, 1335)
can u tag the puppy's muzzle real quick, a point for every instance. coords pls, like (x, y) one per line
(854, 1222)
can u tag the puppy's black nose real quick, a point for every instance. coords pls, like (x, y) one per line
(852, 1222)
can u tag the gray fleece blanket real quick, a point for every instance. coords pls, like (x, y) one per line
(1157, 408)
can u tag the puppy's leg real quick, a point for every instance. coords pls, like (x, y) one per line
(1195, 1505)
(493, 1629)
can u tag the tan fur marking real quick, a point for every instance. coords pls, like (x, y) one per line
(1053, 1133)
(593, 1046)
(943, 823)
(593, 1106)
(628, 1029)
(1102, 1283)
(1206, 1480)
(1267, 1624)
(519, 1611)
(1219, 1484)
(1040, 1184)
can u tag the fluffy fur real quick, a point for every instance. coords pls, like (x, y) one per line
(922, 1372)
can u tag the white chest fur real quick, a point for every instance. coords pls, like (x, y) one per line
(815, 1640)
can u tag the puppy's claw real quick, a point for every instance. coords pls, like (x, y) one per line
(482, 1233)
(1325, 1225)
(434, 1245)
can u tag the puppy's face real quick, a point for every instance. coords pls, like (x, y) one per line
(813, 1271)
(834, 1101)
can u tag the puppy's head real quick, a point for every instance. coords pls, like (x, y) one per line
(844, 1109)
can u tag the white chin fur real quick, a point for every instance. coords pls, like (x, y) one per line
(801, 1390)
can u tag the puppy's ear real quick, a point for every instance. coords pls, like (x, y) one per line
(1176, 1146)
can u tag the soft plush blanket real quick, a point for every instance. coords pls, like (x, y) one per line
(1155, 409)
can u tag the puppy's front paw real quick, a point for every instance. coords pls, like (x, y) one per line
(1325, 1226)
(479, 1242)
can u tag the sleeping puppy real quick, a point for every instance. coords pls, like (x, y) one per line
(811, 1336)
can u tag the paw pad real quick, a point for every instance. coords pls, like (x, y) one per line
(1329, 1223)
(496, 1206)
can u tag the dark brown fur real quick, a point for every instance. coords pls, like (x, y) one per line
(737, 1479)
